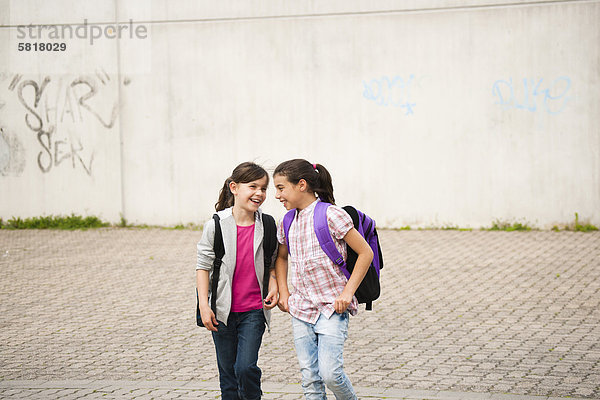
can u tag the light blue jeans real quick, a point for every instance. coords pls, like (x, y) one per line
(320, 350)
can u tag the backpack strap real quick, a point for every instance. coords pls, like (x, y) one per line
(288, 218)
(269, 246)
(324, 236)
(219, 249)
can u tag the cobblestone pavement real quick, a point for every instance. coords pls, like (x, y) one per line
(109, 313)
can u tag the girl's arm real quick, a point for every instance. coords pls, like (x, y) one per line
(273, 290)
(281, 270)
(208, 316)
(365, 256)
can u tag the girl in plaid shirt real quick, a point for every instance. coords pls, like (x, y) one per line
(322, 298)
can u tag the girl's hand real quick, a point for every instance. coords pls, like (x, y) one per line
(283, 302)
(342, 302)
(273, 295)
(271, 299)
(208, 318)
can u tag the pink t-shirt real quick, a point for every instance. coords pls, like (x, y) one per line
(246, 294)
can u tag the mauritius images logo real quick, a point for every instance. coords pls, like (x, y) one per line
(86, 31)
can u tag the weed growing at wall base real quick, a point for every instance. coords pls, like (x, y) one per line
(575, 226)
(54, 222)
(583, 227)
(498, 225)
(77, 222)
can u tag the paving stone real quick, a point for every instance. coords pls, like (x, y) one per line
(473, 311)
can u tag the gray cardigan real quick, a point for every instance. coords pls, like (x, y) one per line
(206, 256)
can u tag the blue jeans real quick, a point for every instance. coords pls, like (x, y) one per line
(237, 346)
(320, 350)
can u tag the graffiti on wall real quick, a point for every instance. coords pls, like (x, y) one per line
(12, 154)
(533, 94)
(64, 113)
(391, 92)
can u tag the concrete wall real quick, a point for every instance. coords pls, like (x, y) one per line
(427, 113)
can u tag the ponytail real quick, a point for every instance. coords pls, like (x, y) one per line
(244, 173)
(325, 187)
(316, 176)
(225, 196)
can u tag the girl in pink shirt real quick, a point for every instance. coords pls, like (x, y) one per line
(238, 321)
(322, 297)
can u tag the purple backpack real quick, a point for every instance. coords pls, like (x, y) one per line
(369, 289)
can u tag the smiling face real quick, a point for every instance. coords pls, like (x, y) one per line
(249, 196)
(292, 195)
(284, 191)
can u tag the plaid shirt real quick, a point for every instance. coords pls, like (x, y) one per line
(316, 280)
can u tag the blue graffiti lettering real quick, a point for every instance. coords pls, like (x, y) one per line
(390, 92)
(563, 82)
(553, 99)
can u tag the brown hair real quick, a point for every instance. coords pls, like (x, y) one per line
(243, 173)
(316, 176)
